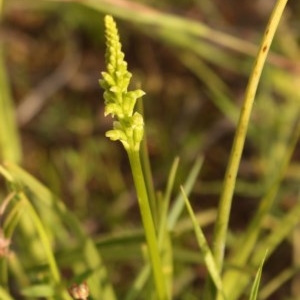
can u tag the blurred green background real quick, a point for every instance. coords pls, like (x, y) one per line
(193, 59)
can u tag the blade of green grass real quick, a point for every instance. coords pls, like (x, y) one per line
(148, 224)
(204, 247)
(10, 147)
(221, 227)
(170, 186)
(244, 248)
(145, 15)
(139, 283)
(204, 218)
(141, 278)
(164, 239)
(99, 283)
(220, 94)
(171, 29)
(255, 286)
(178, 205)
(147, 169)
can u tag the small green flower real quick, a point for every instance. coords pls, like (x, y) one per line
(119, 102)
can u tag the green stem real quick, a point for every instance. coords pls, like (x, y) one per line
(145, 162)
(240, 136)
(148, 223)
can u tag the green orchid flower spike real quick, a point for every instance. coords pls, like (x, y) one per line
(128, 128)
(119, 102)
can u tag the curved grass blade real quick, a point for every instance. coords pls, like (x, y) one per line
(178, 205)
(255, 286)
(204, 247)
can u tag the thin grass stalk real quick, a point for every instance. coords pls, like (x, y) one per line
(203, 49)
(247, 243)
(205, 250)
(221, 228)
(172, 220)
(154, 21)
(164, 239)
(148, 224)
(147, 15)
(170, 185)
(250, 236)
(279, 233)
(220, 94)
(146, 166)
(10, 148)
(139, 283)
(163, 229)
(255, 285)
(178, 205)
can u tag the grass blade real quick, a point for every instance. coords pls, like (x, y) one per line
(255, 286)
(48, 203)
(221, 227)
(10, 148)
(247, 243)
(178, 205)
(203, 245)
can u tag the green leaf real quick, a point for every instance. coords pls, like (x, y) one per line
(255, 286)
(204, 247)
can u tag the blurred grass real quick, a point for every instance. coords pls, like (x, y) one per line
(58, 220)
(9, 137)
(194, 75)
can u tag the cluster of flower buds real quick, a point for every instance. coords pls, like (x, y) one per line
(119, 102)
